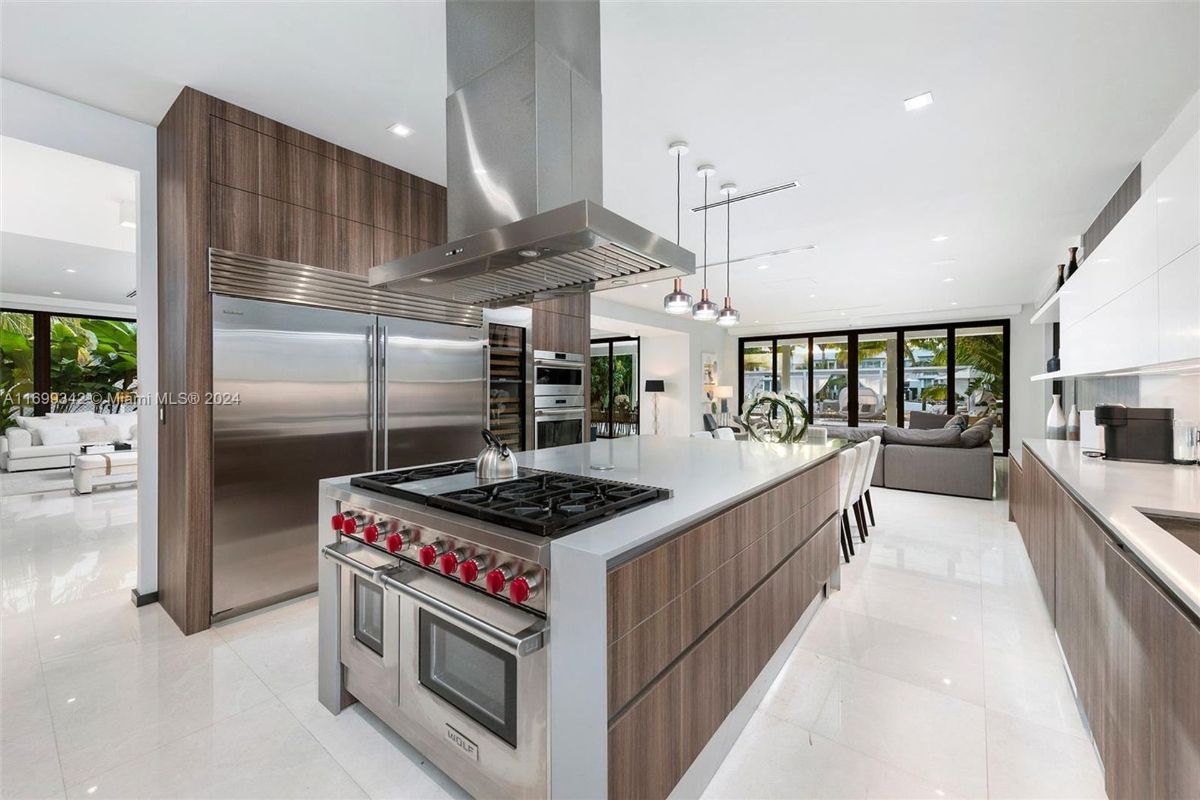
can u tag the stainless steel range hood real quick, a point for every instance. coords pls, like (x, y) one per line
(523, 122)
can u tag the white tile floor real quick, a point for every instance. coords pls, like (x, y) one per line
(933, 673)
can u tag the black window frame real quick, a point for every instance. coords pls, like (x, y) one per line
(896, 391)
(610, 341)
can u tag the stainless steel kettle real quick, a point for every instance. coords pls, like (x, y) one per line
(496, 461)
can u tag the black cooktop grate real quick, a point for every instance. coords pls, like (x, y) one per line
(544, 503)
(548, 503)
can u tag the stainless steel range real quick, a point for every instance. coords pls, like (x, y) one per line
(434, 609)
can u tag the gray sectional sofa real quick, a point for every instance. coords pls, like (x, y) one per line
(928, 457)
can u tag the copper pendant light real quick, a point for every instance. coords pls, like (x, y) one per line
(677, 301)
(705, 310)
(728, 316)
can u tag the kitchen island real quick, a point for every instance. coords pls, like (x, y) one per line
(658, 632)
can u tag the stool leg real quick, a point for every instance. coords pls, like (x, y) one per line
(845, 547)
(846, 530)
(870, 508)
(858, 519)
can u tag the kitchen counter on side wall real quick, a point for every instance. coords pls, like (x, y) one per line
(1113, 491)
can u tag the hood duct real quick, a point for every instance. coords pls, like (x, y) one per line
(523, 131)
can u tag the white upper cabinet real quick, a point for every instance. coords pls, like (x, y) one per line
(1177, 197)
(1179, 308)
(1124, 259)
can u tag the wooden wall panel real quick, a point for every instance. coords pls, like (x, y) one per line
(184, 363)
(236, 180)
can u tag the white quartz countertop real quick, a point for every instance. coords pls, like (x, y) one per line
(1114, 491)
(705, 475)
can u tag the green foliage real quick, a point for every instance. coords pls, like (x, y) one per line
(622, 373)
(92, 357)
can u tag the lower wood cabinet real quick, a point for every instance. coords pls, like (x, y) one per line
(1134, 654)
(1151, 746)
(654, 740)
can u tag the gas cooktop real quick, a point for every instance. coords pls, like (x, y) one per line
(536, 501)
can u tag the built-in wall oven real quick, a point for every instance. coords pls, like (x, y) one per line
(451, 669)
(558, 416)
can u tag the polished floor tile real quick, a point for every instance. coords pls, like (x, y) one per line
(103, 699)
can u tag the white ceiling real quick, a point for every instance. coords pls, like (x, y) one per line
(60, 231)
(1040, 111)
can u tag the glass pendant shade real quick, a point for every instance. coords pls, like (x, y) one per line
(678, 301)
(728, 316)
(705, 310)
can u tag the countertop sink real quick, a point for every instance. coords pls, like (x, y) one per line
(1184, 527)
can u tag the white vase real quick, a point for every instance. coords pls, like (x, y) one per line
(1056, 420)
(1073, 424)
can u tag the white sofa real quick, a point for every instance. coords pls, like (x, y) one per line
(49, 441)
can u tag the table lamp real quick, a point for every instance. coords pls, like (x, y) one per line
(655, 388)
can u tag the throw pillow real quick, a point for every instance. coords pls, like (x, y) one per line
(62, 434)
(98, 434)
(81, 419)
(938, 437)
(124, 423)
(976, 435)
(926, 420)
(957, 421)
(35, 426)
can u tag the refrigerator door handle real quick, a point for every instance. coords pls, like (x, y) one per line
(372, 400)
(382, 402)
(487, 388)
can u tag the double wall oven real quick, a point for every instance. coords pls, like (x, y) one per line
(558, 398)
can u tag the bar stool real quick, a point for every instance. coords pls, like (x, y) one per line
(846, 462)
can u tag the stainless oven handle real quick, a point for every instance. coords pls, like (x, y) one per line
(569, 413)
(524, 643)
(538, 362)
(336, 552)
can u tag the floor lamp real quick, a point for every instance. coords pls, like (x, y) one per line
(655, 388)
(723, 394)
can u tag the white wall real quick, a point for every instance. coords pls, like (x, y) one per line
(1177, 134)
(685, 391)
(1028, 348)
(52, 121)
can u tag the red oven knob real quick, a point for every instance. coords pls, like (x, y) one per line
(468, 571)
(371, 533)
(448, 562)
(394, 542)
(336, 522)
(429, 553)
(497, 578)
(519, 590)
(349, 524)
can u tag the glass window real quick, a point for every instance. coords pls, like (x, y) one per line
(757, 369)
(93, 364)
(876, 377)
(925, 364)
(615, 388)
(791, 365)
(979, 377)
(831, 389)
(16, 365)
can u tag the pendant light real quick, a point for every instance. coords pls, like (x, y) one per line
(677, 301)
(728, 316)
(705, 310)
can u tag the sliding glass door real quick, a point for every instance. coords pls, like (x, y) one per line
(615, 387)
(877, 377)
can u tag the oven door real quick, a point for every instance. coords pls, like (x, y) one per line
(368, 625)
(554, 428)
(558, 377)
(473, 675)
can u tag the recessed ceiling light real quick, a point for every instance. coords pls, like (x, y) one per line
(811, 296)
(56, 293)
(941, 237)
(953, 302)
(72, 271)
(764, 266)
(843, 313)
(947, 280)
(920, 101)
(400, 129)
(757, 321)
(528, 253)
(425, 280)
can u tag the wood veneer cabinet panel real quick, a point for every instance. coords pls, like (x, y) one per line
(1014, 489)
(353, 247)
(1042, 523)
(298, 234)
(388, 205)
(235, 223)
(185, 363)
(1081, 606)
(388, 246)
(1152, 728)
(234, 159)
(297, 176)
(645, 748)
(354, 199)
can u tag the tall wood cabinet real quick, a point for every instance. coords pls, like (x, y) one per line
(1133, 651)
(235, 180)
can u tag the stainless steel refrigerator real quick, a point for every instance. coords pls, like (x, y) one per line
(315, 393)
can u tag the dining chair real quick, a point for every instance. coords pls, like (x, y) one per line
(702, 435)
(863, 449)
(846, 459)
(724, 433)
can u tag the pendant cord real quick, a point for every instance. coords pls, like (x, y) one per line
(678, 193)
(706, 232)
(727, 206)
